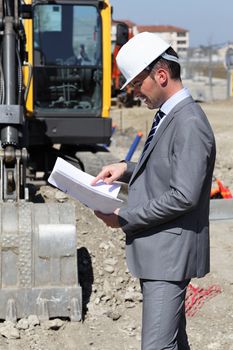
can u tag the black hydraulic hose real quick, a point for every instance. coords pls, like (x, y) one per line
(20, 77)
(2, 86)
(16, 14)
(1, 14)
(29, 82)
(2, 80)
(8, 8)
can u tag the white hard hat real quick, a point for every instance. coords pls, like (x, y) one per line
(138, 53)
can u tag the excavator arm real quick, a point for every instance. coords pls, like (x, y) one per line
(13, 155)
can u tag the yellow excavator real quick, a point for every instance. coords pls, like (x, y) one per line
(55, 95)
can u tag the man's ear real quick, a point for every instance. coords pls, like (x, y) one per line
(162, 76)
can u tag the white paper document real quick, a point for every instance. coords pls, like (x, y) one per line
(76, 183)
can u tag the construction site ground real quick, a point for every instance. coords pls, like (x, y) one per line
(111, 296)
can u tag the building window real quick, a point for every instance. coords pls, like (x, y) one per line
(181, 34)
(181, 42)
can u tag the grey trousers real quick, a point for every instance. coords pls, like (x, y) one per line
(163, 315)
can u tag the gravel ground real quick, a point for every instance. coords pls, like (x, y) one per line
(112, 298)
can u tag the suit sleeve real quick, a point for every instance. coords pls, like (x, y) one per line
(191, 167)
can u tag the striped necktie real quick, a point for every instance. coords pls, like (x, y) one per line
(159, 115)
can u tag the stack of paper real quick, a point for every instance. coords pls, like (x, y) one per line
(76, 183)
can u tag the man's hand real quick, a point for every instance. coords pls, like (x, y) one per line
(110, 173)
(110, 220)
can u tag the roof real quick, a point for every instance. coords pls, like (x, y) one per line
(126, 21)
(160, 29)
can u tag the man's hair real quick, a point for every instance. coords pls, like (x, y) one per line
(171, 66)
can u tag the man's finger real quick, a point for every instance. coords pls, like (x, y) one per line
(100, 176)
(95, 180)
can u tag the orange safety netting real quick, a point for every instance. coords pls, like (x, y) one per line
(219, 190)
(196, 297)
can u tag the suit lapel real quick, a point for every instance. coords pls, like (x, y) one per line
(165, 123)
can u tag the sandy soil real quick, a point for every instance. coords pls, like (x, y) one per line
(112, 297)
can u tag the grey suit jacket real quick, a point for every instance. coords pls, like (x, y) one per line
(166, 219)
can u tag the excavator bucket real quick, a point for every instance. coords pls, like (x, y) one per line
(38, 261)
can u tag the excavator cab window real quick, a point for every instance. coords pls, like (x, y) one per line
(67, 58)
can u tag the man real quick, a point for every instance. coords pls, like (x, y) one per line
(166, 219)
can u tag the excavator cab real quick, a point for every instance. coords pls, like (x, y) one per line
(67, 59)
(68, 47)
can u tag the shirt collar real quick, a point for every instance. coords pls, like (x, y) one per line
(174, 100)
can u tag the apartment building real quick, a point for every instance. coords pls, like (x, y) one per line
(176, 36)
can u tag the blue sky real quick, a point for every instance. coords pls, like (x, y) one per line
(209, 22)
